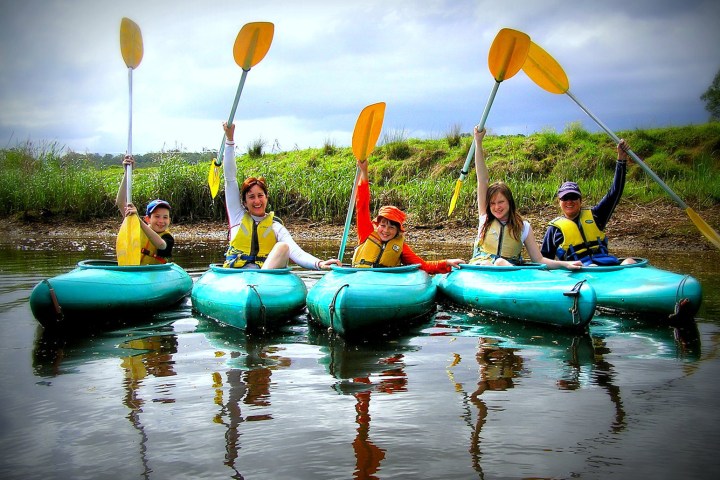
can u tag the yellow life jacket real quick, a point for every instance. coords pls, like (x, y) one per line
(149, 251)
(497, 243)
(241, 251)
(374, 253)
(583, 242)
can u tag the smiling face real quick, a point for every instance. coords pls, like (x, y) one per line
(255, 201)
(159, 219)
(386, 229)
(570, 205)
(500, 207)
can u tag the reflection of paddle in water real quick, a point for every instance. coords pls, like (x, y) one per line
(251, 387)
(157, 361)
(368, 455)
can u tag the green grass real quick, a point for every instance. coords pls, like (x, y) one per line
(416, 175)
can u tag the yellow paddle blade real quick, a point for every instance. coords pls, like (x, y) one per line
(214, 178)
(544, 70)
(455, 196)
(367, 130)
(704, 228)
(128, 243)
(131, 44)
(252, 43)
(507, 53)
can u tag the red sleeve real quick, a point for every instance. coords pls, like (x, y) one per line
(362, 207)
(409, 257)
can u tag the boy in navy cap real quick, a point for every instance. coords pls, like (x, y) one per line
(579, 233)
(157, 242)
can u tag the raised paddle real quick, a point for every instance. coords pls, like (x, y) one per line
(365, 136)
(544, 70)
(127, 245)
(505, 58)
(251, 45)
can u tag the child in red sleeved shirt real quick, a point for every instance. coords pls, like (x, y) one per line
(381, 242)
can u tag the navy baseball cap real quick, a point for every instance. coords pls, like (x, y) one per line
(155, 204)
(568, 187)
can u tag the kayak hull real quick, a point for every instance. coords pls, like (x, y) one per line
(528, 293)
(641, 289)
(249, 299)
(353, 300)
(98, 290)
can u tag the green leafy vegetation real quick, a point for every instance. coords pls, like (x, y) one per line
(416, 175)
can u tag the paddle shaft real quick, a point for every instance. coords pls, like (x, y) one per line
(221, 150)
(128, 168)
(348, 218)
(471, 154)
(615, 138)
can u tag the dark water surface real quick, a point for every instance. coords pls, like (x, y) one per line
(460, 396)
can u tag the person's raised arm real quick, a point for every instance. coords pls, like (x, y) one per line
(121, 198)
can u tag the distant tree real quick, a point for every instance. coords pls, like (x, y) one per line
(712, 98)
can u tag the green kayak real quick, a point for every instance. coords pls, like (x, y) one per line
(529, 293)
(100, 290)
(355, 300)
(249, 299)
(641, 289)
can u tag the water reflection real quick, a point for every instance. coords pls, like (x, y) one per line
(362, 369)
(154, 357)
(253, 359)
(500, 357)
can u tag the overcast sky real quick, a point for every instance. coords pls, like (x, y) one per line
(634, 64)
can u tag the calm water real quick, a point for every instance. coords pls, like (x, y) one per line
(460, 396)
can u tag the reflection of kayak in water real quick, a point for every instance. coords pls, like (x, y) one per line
(641, 289)
(57, 353)
(371, 365)
(642, 340)
(529, 293)
(563, 344)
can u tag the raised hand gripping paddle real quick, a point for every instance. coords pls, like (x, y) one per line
(127, 245)
(365, 136)
(544, 70)
(505, 58)
(251, 45)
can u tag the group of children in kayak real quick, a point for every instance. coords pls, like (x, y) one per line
(258, 239)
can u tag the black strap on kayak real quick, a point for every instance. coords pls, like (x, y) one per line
(332, 307)
(575, 293)
(262, 308)
(56, 305)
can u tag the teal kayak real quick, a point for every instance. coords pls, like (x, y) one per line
(99, 290)
(528, 292)
(352, 300)
(641, 289)
(249, 299)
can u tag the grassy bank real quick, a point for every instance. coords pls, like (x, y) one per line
(416, 175)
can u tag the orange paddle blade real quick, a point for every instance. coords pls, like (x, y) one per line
(508, 53)
(128, 243)
(252, 43)
(131, 43)
(544, 70)
(367, 130)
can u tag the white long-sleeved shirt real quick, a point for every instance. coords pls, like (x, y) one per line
(236, 210)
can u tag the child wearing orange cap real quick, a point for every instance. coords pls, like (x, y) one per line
(381, 242)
